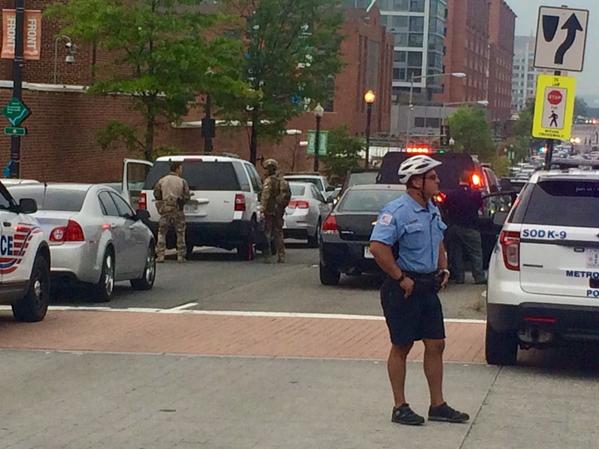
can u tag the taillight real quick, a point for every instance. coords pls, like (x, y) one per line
(298, 204)
(330, 225)
(477, 181)
(440, 197)
(72, 232)
(239, 202)
(510, 247)
(142, 202)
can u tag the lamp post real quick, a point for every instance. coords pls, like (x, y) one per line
(369, 98)
(421, 77)
(70, 58)
(17, 76)
(318, 113)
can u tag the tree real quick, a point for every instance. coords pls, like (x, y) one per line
(581, 108)
(471, 131)
(343, 152)
(163, 53)
(290, 57)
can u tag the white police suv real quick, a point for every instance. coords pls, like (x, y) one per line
(544, 272)
(24, 259)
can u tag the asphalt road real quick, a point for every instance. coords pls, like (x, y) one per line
(215, 280)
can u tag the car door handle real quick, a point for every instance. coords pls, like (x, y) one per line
(6, 224)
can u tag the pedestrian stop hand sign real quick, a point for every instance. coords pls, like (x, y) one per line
(554, 107)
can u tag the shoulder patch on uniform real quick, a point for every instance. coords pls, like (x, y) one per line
(385, 219)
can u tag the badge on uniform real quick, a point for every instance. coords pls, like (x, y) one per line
(385, 219)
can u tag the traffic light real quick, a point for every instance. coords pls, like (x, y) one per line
(445, 135)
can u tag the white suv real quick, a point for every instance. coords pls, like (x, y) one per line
(24, 259)
(224, 210)
(544, 272)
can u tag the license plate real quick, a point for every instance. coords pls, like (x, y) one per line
(367, 253)
(189, 209)
(592, 258)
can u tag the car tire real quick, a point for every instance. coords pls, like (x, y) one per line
(247, 250)
(34, 305)
(329, 276)
(501, 348)
(146, 282)
(105, 287)
(314, 241)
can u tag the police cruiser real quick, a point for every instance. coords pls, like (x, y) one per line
(24, 259)
(544, 272)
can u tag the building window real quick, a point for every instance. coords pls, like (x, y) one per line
(417, 5)
(414, 59)
(417, 24)
(416, 40)
(401, 39)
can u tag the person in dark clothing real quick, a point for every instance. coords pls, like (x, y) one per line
(463, 237)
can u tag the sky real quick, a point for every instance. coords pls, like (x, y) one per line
(526, 24)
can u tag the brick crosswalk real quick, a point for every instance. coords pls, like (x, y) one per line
(226, 334)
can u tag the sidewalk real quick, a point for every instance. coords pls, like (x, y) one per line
(227, 334)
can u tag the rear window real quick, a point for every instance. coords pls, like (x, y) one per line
(367, 200)
(316, 181)
(52, 199)
(362, 178)
(199, 175)
(297, 190)
(560, 203)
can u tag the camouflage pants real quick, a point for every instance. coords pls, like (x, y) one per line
(177, 220)
(273, 229)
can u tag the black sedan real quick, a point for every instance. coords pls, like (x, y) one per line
(344, 246)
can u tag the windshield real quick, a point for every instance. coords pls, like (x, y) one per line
(200, 175)
(362, 178)
(49, 198)
(367, 200)
(561, 203)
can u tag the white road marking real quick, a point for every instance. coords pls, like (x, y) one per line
(189, 305)
(180, 310)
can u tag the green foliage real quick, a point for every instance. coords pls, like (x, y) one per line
(343, 152)
(471, 131)
(291, 53)
(163, 53)
(119, 132)
(501, 165)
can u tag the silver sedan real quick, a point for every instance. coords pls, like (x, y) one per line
(94, 235)
(305, 213)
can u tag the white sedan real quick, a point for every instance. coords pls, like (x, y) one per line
(305, 213)
(94, 236)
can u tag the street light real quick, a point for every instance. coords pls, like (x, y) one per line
(318, 113)
(369, 98)
(69, 59)
(421, 77)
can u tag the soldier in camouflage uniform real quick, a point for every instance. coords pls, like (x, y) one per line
(171, 193)
(274, 200)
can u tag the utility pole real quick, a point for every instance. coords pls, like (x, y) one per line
(18, 63)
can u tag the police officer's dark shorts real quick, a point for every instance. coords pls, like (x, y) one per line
(417, 317)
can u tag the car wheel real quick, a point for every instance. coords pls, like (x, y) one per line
(146, 282)
(501, 348)
(34, 305)
(247, 250)
(314, 241)
(329, 276)
(104, 288)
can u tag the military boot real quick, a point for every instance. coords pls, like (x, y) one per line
(281, 258)
(160, 259)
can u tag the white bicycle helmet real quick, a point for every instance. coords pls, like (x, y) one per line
(416, 165)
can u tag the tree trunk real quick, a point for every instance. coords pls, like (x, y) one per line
(254, 140)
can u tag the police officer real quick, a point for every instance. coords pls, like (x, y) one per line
(274, 200)
(413, 225)
(463, 237)
(171, 193)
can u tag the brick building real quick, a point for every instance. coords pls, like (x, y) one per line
(61, 141)
(502, 24)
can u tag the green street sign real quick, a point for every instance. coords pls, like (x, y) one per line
(322, 142)
(13, 131)
(16, 112)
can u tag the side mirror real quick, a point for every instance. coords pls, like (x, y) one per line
(143, 215)
(27, 206)
(330, 188)
(331, 199)
(499, 218)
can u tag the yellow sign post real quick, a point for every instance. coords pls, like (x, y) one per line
(554, 107)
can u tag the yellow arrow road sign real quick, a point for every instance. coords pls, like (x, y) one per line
(554, 107)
